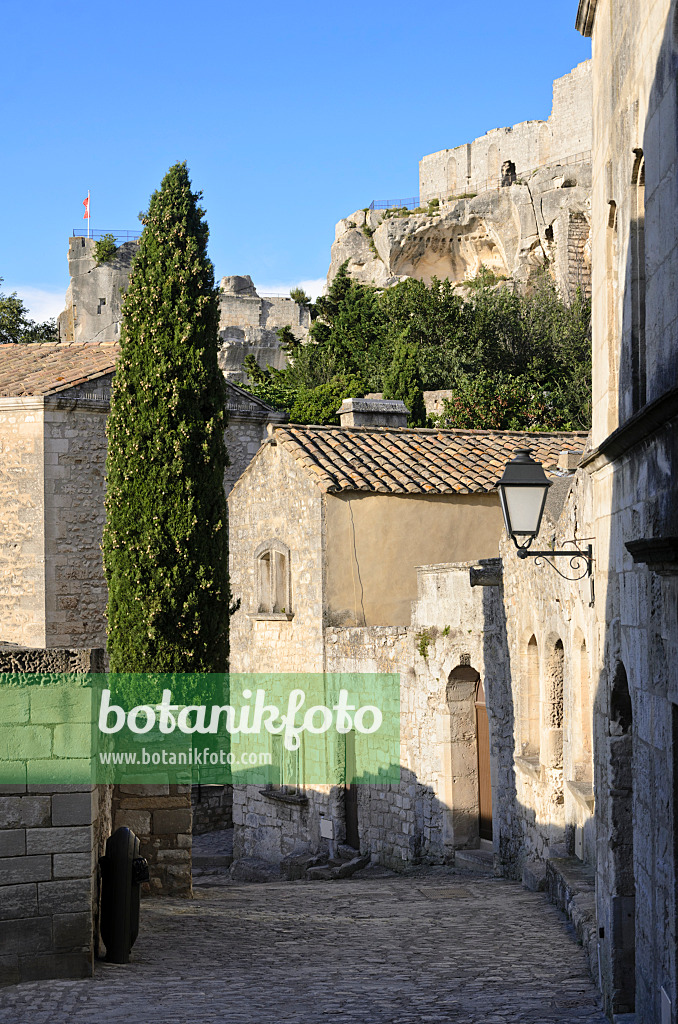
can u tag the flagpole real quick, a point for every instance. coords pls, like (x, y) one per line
(89, 214)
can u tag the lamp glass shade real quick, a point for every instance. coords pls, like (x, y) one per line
(523, 507)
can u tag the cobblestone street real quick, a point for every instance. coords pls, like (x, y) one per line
(380, 948)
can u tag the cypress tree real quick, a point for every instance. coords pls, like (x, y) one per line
(165, 539)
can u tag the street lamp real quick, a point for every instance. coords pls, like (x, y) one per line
(522, 492)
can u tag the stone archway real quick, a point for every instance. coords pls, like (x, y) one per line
(461, 762)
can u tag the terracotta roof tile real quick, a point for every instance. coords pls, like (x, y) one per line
(415, 461)
(47, 369)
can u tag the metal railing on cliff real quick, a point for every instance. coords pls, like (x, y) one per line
(474, 188)
(120, 236)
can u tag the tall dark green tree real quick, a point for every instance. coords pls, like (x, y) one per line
(165, 538)
(403, 380)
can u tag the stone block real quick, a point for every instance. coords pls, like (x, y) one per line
(169, 822)
(138, 821)
(15, 870)
(58, 840)
(72, 865)
(9, 970)
(252, 869)
(12, 842)
(18, 901)
(56, 965)
(65, 896)
(73, 808)
(174, 856)
(26, 935)
(534, 875)
(24, 811)
(18, 742)
(72, 931)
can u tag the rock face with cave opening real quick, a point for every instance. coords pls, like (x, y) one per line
(516, 231)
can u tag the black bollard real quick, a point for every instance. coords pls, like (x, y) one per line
(122, 872)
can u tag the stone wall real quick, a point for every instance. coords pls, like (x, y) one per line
(248, 323)
(212, 808)
(275, 501)
(50, 841)
(160, 815)
(477, 165)
(554, 654)
(634, 468)
(433, 811)
(74, 484)
(22, 551)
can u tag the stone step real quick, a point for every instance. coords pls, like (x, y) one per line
(474, 860)
(212, 861)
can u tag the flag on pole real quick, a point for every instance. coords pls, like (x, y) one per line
(85, 203)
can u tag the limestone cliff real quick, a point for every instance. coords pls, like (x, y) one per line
(515, 230)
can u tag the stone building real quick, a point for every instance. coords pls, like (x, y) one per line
(329, 526)
(248, 323)
(54, 401)
(633, 467)
(589, 803)
(561, 140)
(516, 201)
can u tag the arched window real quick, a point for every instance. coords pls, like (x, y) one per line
(612, 344)
(638, 370)
(553, 707)
(621, 709)
(531, 703)
(272, 574)
(583, 711)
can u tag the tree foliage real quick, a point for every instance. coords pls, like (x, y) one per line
(403, 380)
(165, 539)
(530, 354)
(17, 327)
(105, 249)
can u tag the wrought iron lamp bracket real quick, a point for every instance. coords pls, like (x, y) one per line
(575, 556)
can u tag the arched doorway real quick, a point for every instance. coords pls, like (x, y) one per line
(484, 778)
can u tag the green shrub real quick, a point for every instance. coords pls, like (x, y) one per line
(105, 249)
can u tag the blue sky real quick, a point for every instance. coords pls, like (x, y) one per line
(290, 116)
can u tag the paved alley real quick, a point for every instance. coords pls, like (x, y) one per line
(376, 949)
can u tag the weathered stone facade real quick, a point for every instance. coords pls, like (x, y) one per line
(248, 323)
(54, 454)
(633, 472)
(515, 201)
(451, 639)
(52, 485)
(477, 165)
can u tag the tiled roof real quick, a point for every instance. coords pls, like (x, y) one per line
(47, 369)
(404, 461)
